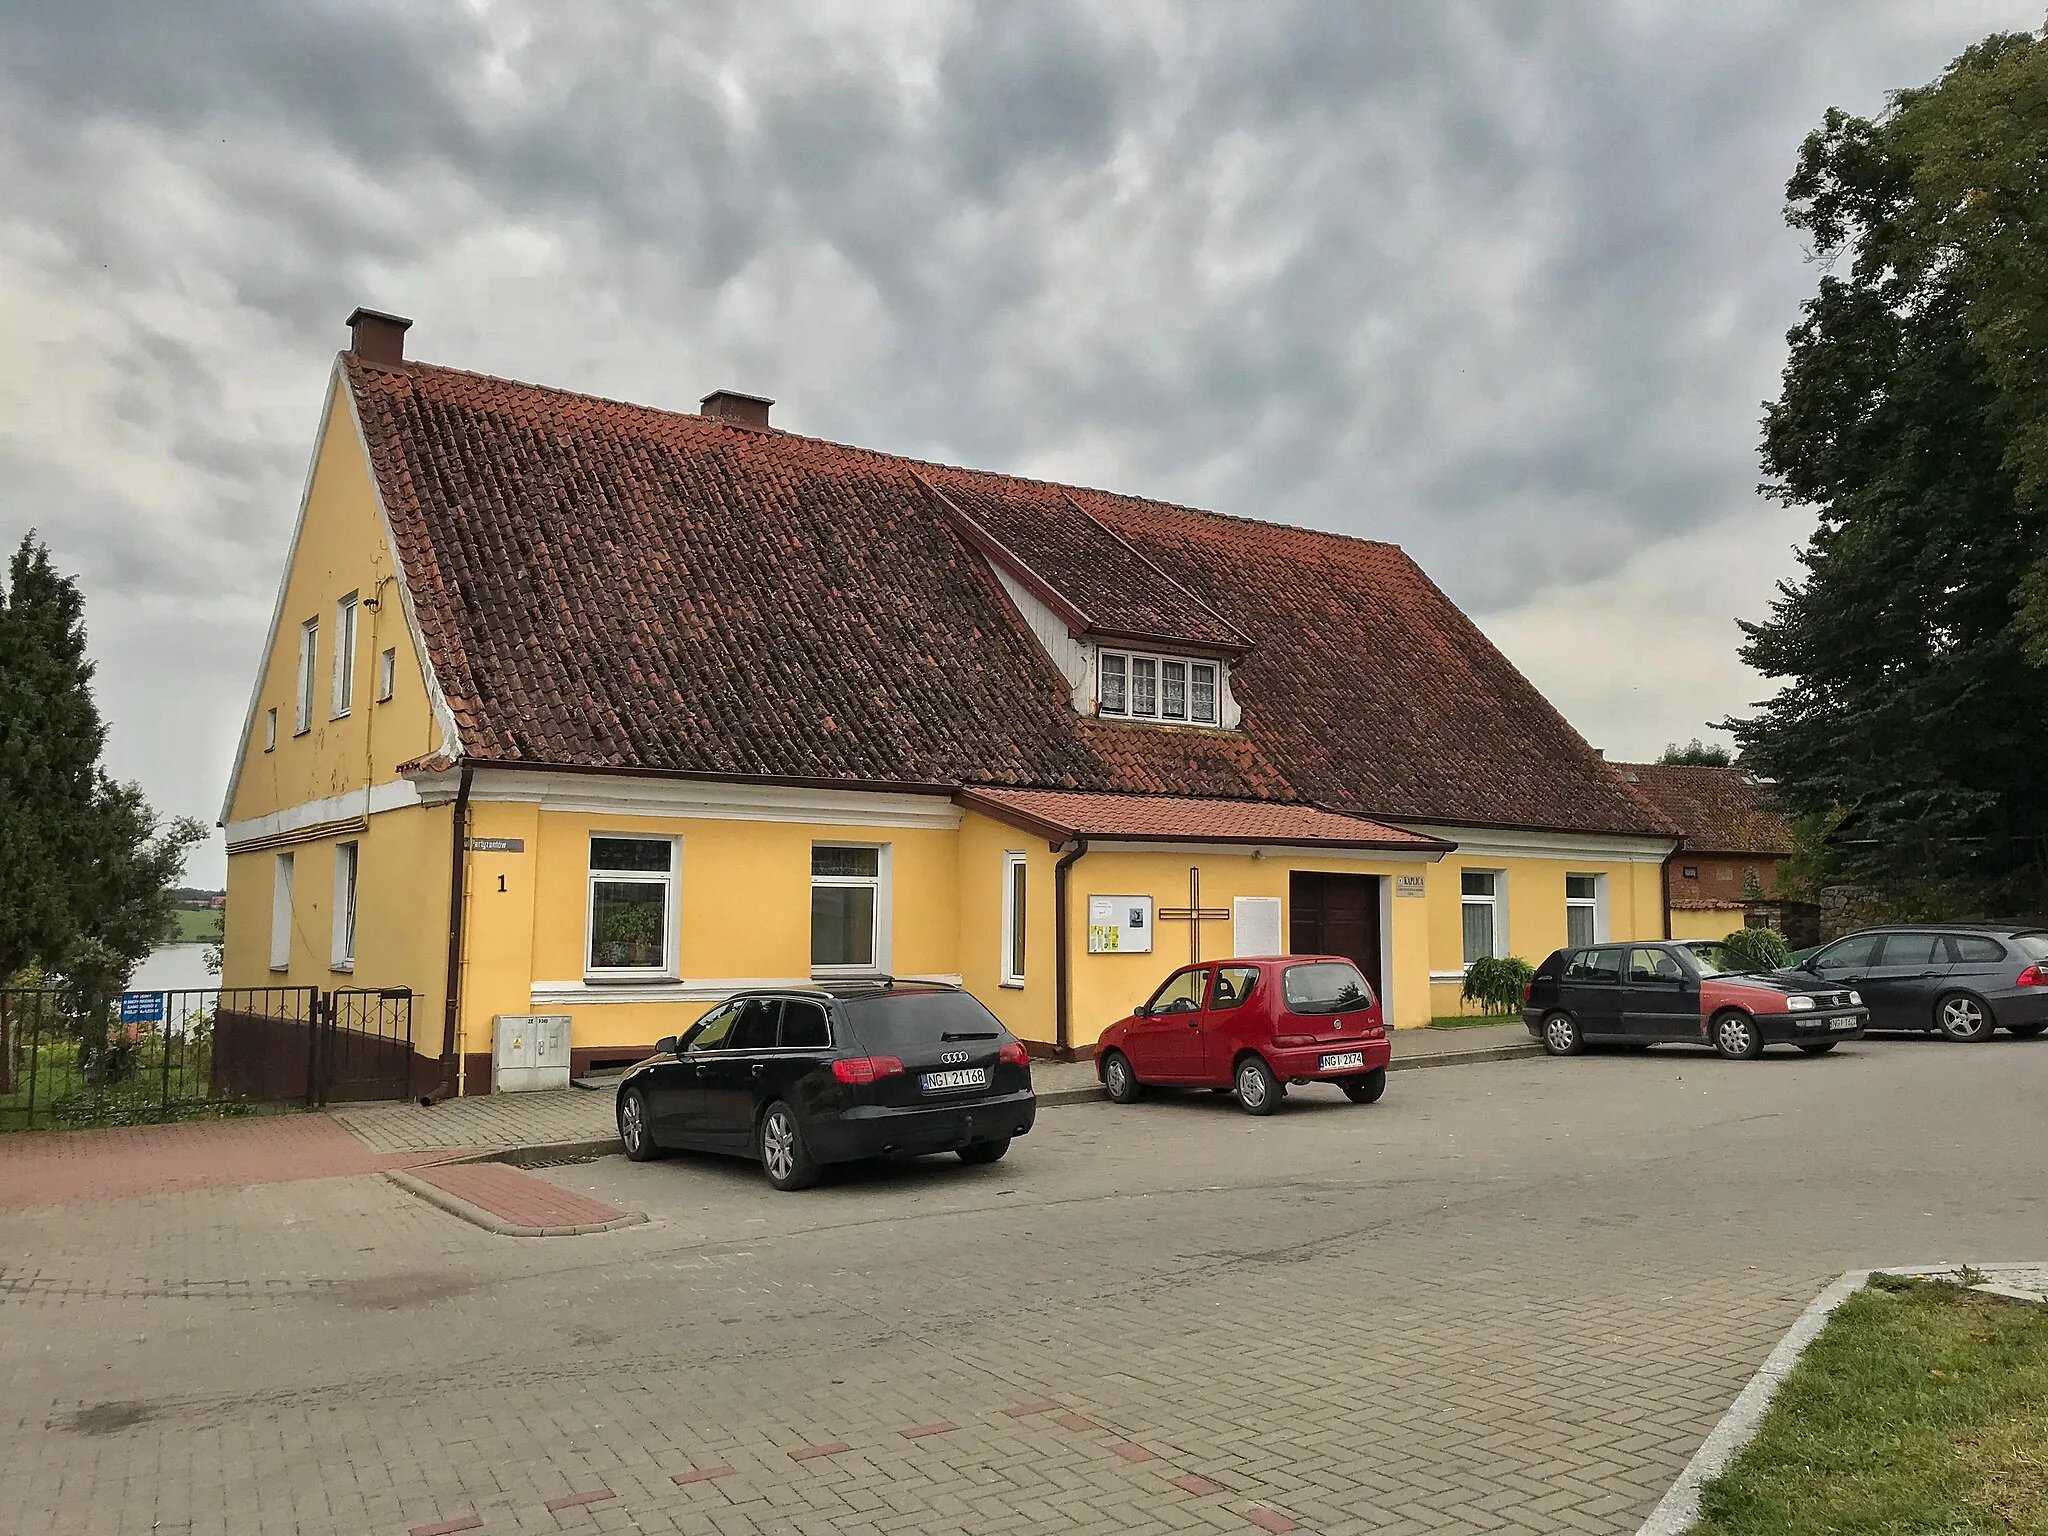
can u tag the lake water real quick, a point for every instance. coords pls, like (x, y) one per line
(173, 968)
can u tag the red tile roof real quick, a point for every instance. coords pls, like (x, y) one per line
(606, 585)
(1060, 814)
(1719, 810)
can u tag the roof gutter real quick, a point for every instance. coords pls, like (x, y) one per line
(458, 868)
(1061, 963)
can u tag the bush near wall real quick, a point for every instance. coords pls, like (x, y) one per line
(1497, 983)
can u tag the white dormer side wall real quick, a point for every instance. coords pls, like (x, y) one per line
(1227, 712)
(1074, 659)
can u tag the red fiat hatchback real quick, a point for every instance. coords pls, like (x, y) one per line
(1252, 1026)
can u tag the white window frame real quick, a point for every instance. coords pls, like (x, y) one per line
(1159, 662)
(347, 864)
(387, 674)
(344, 697)
(1596, 903)
(881, 884)
(1016, 930)
(281, 912)
(1496, 906)
(671, 884)
(309, 652)
(270, 729)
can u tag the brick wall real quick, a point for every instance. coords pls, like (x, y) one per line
(1719, 879)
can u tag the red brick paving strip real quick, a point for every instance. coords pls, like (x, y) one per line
(1074, 1421)
(124, 1162)
(919, 1431)
(1133, 1452)
(699, 1475)
(812, 1452)
(571, 1500)
(1269, 1520)
(517, 1197)
(448, 1527)
(1200, 1487)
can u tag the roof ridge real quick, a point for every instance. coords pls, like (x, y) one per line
(1066, 487)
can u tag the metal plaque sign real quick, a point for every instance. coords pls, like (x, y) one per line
(497, 845)
(1409, 885)
(142, 1007)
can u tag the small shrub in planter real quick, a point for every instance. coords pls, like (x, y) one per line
(1764, 949)
(1497, 983)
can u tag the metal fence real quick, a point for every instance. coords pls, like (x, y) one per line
(69, 1059)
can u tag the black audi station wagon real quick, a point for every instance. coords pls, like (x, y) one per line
(802, 1077)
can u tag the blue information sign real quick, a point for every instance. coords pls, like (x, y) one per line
(142, 1007)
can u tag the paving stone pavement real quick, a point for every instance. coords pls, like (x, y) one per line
(564, 1116)
(1512, 1297)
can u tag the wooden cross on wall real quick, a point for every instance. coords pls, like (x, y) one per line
(1193, 914)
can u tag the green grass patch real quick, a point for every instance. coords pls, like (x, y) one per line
(1472, 1020)
(1921, 1410)
(194, 927)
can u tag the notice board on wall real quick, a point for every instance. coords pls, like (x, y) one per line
(1119, 925)
(1255, 926)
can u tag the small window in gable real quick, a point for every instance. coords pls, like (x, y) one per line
(387, 674)
(1132, 686)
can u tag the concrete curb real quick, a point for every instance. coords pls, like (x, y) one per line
(477, 1216)
(1677, 1511)
(1460, 1058)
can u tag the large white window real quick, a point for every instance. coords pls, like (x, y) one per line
(632, 911)
(1014, 885)
(281, 913)
(1585, 910)
(1482, 914)
(309, 649)
(344, 655)
(1132, 686)
(344, 949)
(848, 909)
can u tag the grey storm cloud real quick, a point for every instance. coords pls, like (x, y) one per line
(1503, 283)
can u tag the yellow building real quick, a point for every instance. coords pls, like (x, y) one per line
(573, 707)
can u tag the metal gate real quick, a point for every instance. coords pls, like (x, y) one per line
(71, 1059)
(363, 1048)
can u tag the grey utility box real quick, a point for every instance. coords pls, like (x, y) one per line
(531, 1051)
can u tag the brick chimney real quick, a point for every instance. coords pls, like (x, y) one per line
(741, 410)
(377, 337)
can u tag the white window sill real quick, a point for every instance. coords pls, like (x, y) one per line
(1013, 986)
(280, 970)
(342, 967)
(304, 730)
(629, 979)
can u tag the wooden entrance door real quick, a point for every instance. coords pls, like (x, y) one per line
(1332, 914)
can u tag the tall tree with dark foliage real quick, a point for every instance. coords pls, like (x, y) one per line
(1913, 651)
(85, 866)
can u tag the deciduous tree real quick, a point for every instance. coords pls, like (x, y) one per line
(1914, 421)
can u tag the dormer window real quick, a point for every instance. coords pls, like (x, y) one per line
(1131, 685)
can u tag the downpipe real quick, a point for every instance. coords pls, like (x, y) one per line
(458, 868)
(1070, 854)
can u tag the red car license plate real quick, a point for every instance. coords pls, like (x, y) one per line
(1343, 1059)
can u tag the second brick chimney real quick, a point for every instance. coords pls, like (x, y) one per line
(741, 410)
(377, 337)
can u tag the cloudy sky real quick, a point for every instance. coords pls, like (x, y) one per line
(1504, 283)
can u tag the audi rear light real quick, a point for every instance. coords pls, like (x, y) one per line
(1012, 1053)
(865, 1069)
(2032, 976)
(1528, 987)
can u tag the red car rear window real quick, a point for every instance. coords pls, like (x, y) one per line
(1324, 986)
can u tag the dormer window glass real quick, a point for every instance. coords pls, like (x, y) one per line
(1113, 672)
(1131, 686)
(1173, 690)
(1144, 686)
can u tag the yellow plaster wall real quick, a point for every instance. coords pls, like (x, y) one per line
(744, 902)
(341, 549)
(401, 915)
(1536, 908)
(981, 844)
(1105, 987)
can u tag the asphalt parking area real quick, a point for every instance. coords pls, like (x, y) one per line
(1507, 1297)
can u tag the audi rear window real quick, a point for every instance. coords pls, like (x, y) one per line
(888, 1020)
(1324, 986)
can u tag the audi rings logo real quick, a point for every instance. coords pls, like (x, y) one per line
(953, 1056)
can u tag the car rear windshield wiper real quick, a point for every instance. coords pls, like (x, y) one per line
(968, 1034)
